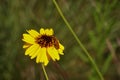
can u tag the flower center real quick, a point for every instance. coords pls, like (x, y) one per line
(48, 41)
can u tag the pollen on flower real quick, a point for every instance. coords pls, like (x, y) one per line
(47, 41)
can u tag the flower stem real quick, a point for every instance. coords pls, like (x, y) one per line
(46, 76)
(77, 39)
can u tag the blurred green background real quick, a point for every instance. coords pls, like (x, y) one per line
(96, 23)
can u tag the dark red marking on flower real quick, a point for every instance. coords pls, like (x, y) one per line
(47, 41)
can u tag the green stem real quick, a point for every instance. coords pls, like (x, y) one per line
(43, 67)
(77, 39)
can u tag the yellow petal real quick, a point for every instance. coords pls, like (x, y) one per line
(53, 53)
(49, 51)
(33, 33)
(43, 51)
(34, 50)
(39, 57)
(61, 46)
(45, 58)
(47, 31)
(37, 52)
(42, 31)
(51, 32)
(27, 38)
(30, 49)
(26, 45)
(60, 51)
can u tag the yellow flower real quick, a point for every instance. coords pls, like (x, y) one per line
(42, 45)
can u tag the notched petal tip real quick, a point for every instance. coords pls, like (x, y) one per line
(46, 63)
(58, 58)
(42, 31)
(51, 32)
(37, 62)
(47, 31)
(61, 46)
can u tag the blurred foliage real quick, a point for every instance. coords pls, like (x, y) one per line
(96, 22)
